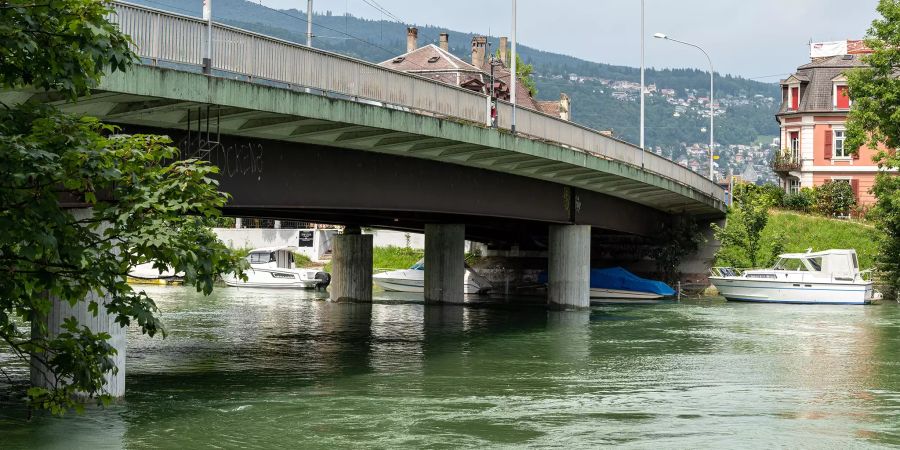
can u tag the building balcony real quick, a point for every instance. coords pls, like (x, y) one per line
(785, 162)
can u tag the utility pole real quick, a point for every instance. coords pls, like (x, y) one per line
(207, 15)
(309, 19)
(513, 69)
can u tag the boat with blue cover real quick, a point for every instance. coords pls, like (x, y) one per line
(620, 284)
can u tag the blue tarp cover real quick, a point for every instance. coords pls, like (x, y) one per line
(619, 278)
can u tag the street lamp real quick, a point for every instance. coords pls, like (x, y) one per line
(711, 100)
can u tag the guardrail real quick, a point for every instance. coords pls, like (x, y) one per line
(161, 36)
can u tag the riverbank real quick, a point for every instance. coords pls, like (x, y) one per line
(803, 231)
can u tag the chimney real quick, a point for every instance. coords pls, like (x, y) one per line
(564, 104)
(479, 44)
(412, 34)
(445, 42)
(503, 55)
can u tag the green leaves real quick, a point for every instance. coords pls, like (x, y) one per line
(874, 121)
(62, 45)
(80, 204)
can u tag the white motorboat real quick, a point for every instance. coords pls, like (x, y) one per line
(413, 280)
(827, 277)
(148, 273)
(274, 268)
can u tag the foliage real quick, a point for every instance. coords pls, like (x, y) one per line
(680, 238)
(525, 74)
(741, 237)
(769, 193)
(802, 201)
(134, 202)
(873, 121)
(803, 231)
(390, 258)
(301, 260)
(834, 198)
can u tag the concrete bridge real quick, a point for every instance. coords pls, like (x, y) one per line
(306, 134)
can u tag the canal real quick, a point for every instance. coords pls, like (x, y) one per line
(273, 369)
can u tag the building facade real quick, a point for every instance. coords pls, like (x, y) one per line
(813, 117)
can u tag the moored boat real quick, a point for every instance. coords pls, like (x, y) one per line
(274, 268)
(413, 280)
(148, 273)
(617, 285)
(826, 277)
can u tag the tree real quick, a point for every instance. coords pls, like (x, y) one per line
(525, 74)
(741, 237)
(136, 200)
(874, 121)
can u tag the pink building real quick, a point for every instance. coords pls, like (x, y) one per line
(813, 115)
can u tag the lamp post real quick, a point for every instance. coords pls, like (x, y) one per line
(642, 82)
(712, 110)
(513, 70)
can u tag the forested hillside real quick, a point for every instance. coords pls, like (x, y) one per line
(673, 122)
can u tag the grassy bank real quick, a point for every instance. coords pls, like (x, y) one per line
(802, 231)
(391, 258)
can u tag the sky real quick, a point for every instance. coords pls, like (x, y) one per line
(762, 39)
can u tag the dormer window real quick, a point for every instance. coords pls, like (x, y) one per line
(398, 60)
(794, 97)
(840, 94)
(434, 59)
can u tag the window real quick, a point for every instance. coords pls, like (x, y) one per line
(261, 258)
(838, 144)
(795, 144)
(794, 186)
(841, 97)
(795, 98)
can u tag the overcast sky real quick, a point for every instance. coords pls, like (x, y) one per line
(751, 38)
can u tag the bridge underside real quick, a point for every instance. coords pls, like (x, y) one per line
(316, 183)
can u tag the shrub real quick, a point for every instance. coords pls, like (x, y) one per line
(802, 201)
(769, 194)
(834, 198)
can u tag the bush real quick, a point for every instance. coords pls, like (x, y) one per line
(802, 201)
(834, 198)
(769, 194)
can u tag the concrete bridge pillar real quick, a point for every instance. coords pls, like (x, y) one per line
(351, 264)
(444, 263)
(101, 322)
(570, 266)
(41, 376)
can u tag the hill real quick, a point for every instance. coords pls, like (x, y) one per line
(604, 96)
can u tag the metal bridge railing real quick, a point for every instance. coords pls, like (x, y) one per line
(161, 36)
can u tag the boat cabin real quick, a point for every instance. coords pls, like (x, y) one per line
(830, 262)
(280, 257)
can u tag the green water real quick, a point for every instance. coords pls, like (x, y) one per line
(272, 369)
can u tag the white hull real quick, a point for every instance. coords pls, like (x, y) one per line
(772, 291)
(413, 281)
(272, 278)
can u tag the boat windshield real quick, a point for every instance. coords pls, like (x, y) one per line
(419, 265)
(261, 257)
(799, 264)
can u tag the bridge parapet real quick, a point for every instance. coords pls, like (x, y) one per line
(162, 38)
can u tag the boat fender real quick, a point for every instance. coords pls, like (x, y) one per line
(324, 279)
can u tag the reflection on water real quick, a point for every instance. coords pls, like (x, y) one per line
(264, 369)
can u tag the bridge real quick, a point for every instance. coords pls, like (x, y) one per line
(306, 134)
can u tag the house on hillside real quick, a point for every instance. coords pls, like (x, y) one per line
(813, 114)
(437, 63)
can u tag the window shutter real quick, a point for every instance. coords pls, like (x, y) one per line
(854, 184)
(795, 98)
(828, 144)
